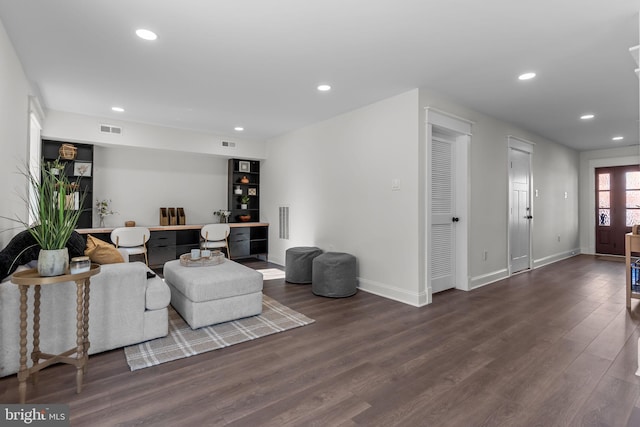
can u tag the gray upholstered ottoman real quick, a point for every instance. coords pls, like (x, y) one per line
(334, 275)
(298, 264)
(214, 294)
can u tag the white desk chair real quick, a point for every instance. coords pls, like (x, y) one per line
(215, 237)
(131, 240)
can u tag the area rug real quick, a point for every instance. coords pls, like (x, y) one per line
(183, 341)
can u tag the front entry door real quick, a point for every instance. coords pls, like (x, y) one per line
(520, 214)
(617, 206)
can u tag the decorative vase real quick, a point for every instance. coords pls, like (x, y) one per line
(244, 180)
(223, 219)
(101, 222)
(238, 191)
(53, 262)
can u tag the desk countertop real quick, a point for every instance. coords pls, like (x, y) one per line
(172, 227)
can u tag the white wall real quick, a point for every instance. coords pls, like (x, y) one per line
(336, 178)
(80, 128)
(589, 160)
(139, 181)
(148, 167)
(555, 170)
(14, 129)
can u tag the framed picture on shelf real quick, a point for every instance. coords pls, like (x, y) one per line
(244, 166)
(252, 191)
(82, 169)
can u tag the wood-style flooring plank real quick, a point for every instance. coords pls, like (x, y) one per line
(554, 346)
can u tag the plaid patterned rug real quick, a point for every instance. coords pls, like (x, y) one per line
(183, 341)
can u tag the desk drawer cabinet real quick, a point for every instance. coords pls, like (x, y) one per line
(161, 247)
(239, 242)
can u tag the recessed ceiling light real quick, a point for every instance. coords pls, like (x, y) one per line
(238, 128)
(587, 117)
(324, 88)
(617, 138)
(146, 34)
(526, 76)
(117, 109)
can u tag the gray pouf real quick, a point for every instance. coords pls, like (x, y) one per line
(298, 263)
(334, 275)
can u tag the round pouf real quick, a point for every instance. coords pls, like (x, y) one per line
(334, 275)
(298, 263)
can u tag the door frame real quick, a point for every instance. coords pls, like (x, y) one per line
(523, 145)
(460, 130)
(591, 196)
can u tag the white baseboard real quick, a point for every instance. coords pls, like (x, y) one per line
(393, 293)
(537, 263)
(487, 279)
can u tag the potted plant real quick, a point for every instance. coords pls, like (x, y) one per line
(53, 207)
(244, 202)
(56, 167)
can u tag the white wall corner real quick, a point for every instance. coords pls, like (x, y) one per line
(394, 293)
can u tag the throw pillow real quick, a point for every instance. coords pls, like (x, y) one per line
(102, 252)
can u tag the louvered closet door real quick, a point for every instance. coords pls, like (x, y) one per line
(442, 213)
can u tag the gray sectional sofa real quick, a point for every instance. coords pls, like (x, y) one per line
(125, 308)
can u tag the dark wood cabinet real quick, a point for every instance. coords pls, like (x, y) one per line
(78, 170)
(244, 181)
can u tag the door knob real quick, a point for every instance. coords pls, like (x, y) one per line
(455, 219)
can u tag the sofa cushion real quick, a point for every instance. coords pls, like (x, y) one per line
(158, 294)
(102, 252)
(224, 280)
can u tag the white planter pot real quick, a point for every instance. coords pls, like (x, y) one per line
(53, 262)
(243, 206)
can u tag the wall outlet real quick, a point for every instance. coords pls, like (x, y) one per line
(485, 255)
(395, 184)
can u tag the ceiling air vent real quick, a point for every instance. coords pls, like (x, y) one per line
(228, 144)
(111, 129)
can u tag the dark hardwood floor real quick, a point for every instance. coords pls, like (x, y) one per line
(551, 347)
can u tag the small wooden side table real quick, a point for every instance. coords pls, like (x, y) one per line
(27, 278)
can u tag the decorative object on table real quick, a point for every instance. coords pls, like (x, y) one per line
(244, 202)
(237, 191)
(104, 209)
(164, 218)
(182, 219)
(82, 169)
(54, 224)
(214, 258)
(244, 180)
(252, 191)
(129, 223)
(244, 218)
(68, 151)
(79, 264)
(173, 218)
(244, 166)
(223, 214)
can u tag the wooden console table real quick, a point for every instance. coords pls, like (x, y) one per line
(27, 278)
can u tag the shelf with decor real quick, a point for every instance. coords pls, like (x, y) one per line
(76, 162)
(244, 190)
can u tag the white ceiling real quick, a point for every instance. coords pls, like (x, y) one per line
(256, 63)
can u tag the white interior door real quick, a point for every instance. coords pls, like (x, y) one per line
(520, 211)
(442, 213)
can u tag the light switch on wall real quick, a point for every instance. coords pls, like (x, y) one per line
(395, 184)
